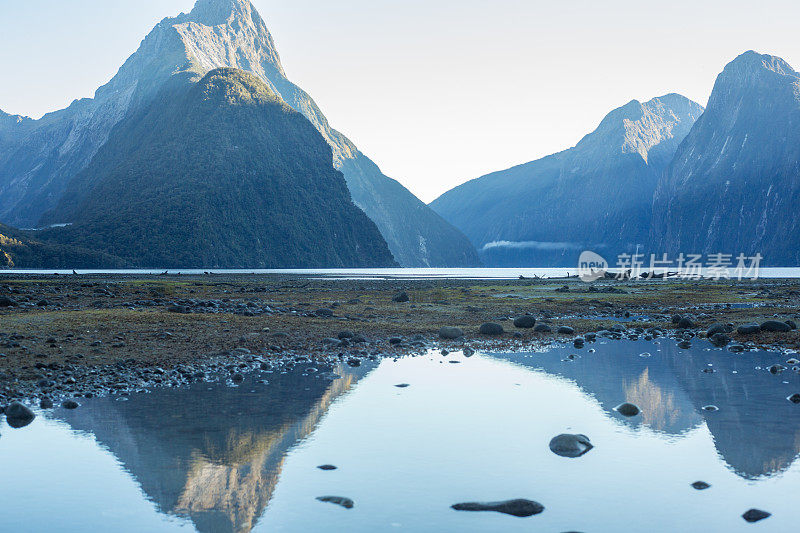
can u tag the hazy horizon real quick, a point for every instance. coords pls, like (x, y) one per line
(435, 94)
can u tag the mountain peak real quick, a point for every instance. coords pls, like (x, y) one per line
(216, 12)
(754, 61)
(638, 127)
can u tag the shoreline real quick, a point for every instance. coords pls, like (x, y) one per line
(83, 336)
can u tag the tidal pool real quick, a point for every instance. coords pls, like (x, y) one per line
(216, 458)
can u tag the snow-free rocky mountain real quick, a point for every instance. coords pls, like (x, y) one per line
(597, 195)
(220, 173)
(734, 184)
(39, 159)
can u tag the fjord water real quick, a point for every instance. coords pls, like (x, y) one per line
(215, 457)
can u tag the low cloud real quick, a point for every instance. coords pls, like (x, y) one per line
(533, 245)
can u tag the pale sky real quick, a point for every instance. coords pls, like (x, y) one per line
(436, 92)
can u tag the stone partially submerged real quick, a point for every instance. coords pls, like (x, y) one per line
(568, 445)
(520, 507)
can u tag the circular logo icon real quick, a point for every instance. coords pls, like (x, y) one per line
(591, 267)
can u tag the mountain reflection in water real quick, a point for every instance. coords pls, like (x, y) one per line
(206, 452)
(756, 431)
(234, 459)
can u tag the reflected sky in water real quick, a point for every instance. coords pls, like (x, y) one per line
(214, 458)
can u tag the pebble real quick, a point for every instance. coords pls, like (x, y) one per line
(628, 409)
(755, 515)
(700, 485)
(341, 501)
(326, 467)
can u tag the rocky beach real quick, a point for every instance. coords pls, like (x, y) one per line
(65, 338)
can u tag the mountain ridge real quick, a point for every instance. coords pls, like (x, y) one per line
(597, 194)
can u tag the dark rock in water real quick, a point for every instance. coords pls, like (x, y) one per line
(70, 404)
(710, 408)
(684, 345)
(524, 322)
(775, 326)
(579, 342)
(450, 333)
(490, 328)
(736, 348)
(700, 485)
(718, 328)
(567, 445)
(566, 330)
(354, 362)
(401, 297)
(324, 313)
(520, 508)
(628, 409)
(326, 467)
(748, 329)
(776, 369)
(755, 515)
(402, 385)
(542, 328)
(347, 503)
(46, 403)
(708, 370)
(686, 323)
(794, 398)
(18, 415)
(237, 378)
(468, 352)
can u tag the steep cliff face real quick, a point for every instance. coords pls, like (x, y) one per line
(596, 195)
(734, 184)
(218, 173)
(216, 33)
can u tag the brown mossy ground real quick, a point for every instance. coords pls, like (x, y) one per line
(90, 320)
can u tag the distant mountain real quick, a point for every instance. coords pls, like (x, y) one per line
(217, 173)
(597, 195)
(217, 33)
(23, 249)
(734, 183)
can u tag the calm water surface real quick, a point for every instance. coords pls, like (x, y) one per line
(215, 458)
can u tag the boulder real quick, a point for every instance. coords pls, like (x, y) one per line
(775, 326)
(718, 328)
(542, 328)
(491, 328)
(524, 322)
(450, 333)
(748, 329)
(401, 297)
